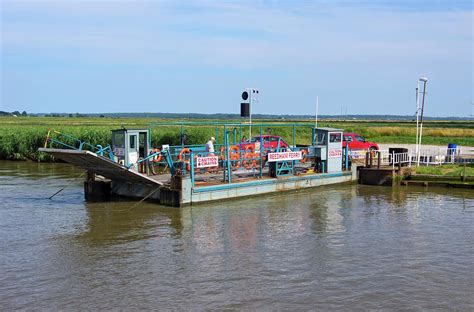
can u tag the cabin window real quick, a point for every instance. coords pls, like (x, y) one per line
(320, 138)
(133, 139)
(335, 137)
(118, 139)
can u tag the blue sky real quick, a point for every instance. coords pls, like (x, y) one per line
(196, 56)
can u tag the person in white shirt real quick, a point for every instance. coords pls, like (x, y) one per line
(210, 146)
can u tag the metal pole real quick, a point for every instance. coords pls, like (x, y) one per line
(294, 136)
(347, 156)
(417, 111)
(250, 113)
(317, 110)
(191, 164)
(228, 164)
(262, 147)
(421, 119)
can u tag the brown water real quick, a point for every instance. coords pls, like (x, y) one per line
(340, 247)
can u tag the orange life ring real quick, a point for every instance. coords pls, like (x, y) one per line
(183, 151)
(248, 161)
(249, 149)
(156, 158)
(222, 153)
(234, 152)
(305, 156)
(188, 165)
(235, 157)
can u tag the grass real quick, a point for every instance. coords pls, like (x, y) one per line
(20, 137)
(445, 170)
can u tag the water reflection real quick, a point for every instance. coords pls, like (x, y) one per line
(121, 222)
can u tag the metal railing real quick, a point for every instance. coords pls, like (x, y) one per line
(64, 140)
(426, 157)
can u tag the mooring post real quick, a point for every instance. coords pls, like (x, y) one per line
(367, 160)
(379, 158)
(90, 176)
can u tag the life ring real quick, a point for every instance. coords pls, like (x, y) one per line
(156, 158)
(304, 153)
(235, 157)
(234, 152)
(222, 153)
(183, 151)
(181, 156)
(249, 149)
(188, 165)
(248, 161)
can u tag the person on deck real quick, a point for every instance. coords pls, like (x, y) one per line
(210, 146)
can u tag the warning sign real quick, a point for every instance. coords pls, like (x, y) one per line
(335, 153)
(204, 162)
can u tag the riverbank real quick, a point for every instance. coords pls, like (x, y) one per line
(459, 176)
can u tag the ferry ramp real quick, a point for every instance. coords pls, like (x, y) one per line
(100, 165)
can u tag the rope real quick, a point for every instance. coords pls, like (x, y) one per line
(144, 198)
(73, 181)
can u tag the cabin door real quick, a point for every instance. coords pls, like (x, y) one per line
(133, 148)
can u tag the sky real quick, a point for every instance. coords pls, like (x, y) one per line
(359, 57)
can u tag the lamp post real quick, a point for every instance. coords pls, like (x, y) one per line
(424, 80)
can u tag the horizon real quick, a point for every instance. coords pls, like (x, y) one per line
(360, 58)
(174, 115)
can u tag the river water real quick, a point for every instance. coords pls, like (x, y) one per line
(346, 247)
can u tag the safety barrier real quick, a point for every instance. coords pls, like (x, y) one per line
(56, 138)
(426, 157)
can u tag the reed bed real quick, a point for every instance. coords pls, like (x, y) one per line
(20, 138)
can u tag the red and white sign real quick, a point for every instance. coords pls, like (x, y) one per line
(335, 153)
(204, 162)
(282, 156)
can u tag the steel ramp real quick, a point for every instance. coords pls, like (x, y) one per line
(100, 165)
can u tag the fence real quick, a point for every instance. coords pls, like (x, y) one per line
(426, 157)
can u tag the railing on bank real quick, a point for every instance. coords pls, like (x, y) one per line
(426, 157)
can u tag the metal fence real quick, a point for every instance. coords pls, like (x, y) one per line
(426, 157)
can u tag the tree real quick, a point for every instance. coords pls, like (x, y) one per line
(24, 113)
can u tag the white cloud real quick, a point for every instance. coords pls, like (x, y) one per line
(235, 35)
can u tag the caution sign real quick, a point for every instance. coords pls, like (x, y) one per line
(282, 156)
(204, 162)
(335, 153)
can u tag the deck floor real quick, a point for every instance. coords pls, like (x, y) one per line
(213, 178)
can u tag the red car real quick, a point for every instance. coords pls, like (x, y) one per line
(358, 142)
(270, 142)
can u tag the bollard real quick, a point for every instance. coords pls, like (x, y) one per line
(367, 160)
(379, 156)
